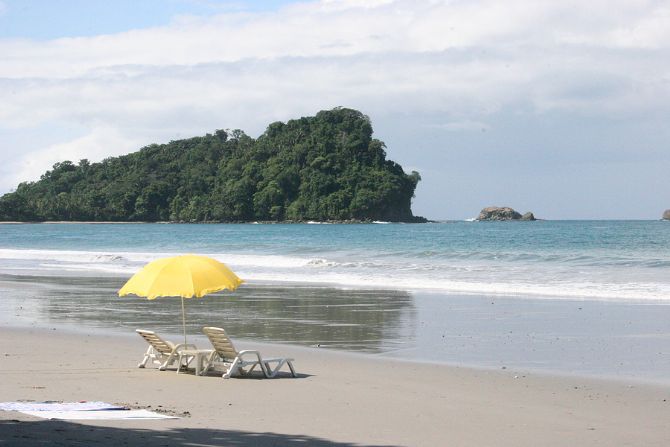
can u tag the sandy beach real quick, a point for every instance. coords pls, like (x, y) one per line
(338, 400)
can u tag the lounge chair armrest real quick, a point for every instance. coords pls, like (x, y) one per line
(250, 352)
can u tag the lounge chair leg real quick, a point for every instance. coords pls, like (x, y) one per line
(143, 363)
(250, 370)
(267, 371)
(290, 366)
(184, 361)
(232, 369)
(208, 363)
(147, 355)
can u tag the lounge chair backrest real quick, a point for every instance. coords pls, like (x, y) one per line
(154, 340)
(220, 341)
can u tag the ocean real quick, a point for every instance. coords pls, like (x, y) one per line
(600, 260)
(566, 297)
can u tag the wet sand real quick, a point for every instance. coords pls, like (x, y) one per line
(338, 400)
(588, 338)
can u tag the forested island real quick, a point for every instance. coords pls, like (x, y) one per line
(323, 168)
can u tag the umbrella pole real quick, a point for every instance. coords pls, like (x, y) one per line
(183, 318)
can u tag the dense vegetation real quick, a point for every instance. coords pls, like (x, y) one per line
(326, 167)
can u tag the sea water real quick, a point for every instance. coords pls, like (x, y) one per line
(600, 260)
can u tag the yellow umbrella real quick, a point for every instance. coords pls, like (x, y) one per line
(185, 276)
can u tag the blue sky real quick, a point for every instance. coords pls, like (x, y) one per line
(50, 19)
(559, 108)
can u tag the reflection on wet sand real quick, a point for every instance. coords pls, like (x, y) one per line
(578, 337)
(373, 321)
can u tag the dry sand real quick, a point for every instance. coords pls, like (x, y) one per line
(339, 400)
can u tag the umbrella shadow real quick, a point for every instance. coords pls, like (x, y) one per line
(40, 433)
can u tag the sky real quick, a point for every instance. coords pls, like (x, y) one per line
(559, 108)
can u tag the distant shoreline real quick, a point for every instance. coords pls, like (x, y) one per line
(269, 222)
(69, 222)
(347, 222)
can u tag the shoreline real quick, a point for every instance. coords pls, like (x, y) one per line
(250, 222)
(261, 281)
(403, 403)
(331, 222)
(621, 341)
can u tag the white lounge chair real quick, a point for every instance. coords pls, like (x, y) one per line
(162, 352)
(239, 362)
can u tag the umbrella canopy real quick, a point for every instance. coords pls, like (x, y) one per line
(185, 276)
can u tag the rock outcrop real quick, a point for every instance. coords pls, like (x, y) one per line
(666, 215)
(503, 213)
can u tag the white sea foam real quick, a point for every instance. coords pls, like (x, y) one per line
(450, 276)
(89, 257)
(607, 292)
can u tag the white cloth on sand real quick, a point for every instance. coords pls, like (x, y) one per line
(58, 406)
(80, 411)
(99, 414)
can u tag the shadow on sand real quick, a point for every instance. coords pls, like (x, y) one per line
(63, 433)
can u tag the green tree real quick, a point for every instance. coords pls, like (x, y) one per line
(324, 167)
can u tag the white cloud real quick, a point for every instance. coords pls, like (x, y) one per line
(99, 143)
(319, 29)
(465, 59)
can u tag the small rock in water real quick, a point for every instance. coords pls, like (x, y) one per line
(503, 213)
